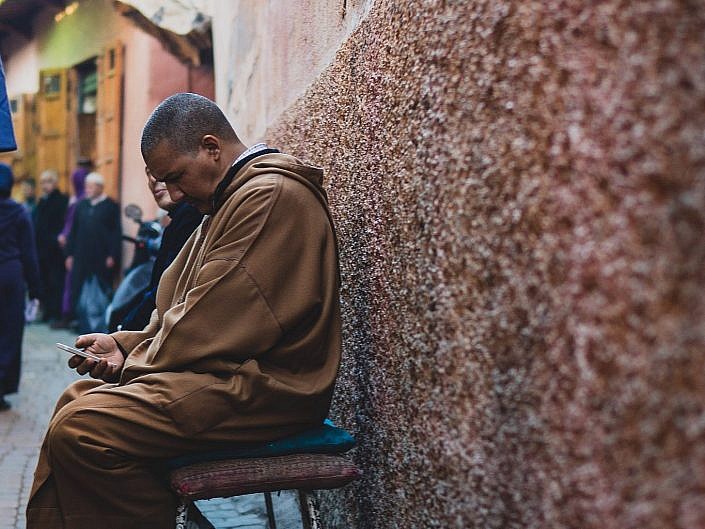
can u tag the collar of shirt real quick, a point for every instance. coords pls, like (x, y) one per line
(249, 154)
(99, 199)
(251, 150)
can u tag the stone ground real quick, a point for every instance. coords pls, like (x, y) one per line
(44, 376)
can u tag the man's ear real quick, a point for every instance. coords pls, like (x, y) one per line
(211, 144)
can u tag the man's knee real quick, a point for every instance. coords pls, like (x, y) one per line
(63, 433)
(73, 391)
(73, 435)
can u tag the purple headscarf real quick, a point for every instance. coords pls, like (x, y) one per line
(78, 178)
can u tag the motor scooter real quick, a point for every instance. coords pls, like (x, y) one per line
(139, 273)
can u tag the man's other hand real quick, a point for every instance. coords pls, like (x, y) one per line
(103, 345)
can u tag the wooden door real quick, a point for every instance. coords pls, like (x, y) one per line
(53, 118)
(71, 121)
(23, 122)
(109, 118)
(30, 132)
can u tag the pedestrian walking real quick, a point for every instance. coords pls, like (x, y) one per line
(78, 180)
(93, 249)
(18, 266)
(49, 219)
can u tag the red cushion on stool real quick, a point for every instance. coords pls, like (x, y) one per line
(232, 477)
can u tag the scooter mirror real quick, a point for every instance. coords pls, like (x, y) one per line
(134, 212)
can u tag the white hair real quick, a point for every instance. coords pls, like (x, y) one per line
(49, 174)
(95, 178)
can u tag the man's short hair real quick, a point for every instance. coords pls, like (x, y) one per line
(183, 119)
(95, 178)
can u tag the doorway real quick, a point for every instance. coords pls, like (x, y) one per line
(86, 74)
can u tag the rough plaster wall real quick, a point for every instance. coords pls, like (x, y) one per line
(268, 52)
(519, 188)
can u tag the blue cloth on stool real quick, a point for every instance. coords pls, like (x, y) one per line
(324, 439)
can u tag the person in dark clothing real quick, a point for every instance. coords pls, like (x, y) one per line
(184, 220)
(94, 245)
(48, 221)
(18, 266)
(29, 196)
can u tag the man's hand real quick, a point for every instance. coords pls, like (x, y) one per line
(103, 345)
(69, 263)
(61, 238)
(109, 262)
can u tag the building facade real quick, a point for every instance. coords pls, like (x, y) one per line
(82, 79)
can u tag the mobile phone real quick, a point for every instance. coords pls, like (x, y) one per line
(79, 352)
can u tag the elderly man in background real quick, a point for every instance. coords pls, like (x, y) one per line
(94, 244)
(48, 221)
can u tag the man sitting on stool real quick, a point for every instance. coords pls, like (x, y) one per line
(244, 345)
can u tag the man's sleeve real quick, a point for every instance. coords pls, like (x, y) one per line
(116, 234)
(128, 340)
(71, 239)
(58, 223)
(232, 311)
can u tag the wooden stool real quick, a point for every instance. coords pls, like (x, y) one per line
(254, 470)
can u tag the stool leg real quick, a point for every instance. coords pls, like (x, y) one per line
(181, 512)
(270, 510)
(309, 512)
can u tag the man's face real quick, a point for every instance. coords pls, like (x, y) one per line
(188, 177)
(27, 190)
(159, 192)
(47, 184)
(93, 190)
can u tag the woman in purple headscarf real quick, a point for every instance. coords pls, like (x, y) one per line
(78, 178)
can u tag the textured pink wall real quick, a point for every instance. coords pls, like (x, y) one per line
(519, 188)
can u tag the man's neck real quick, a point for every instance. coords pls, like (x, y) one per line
(231, 154)
(228, 155)
(240, 156)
